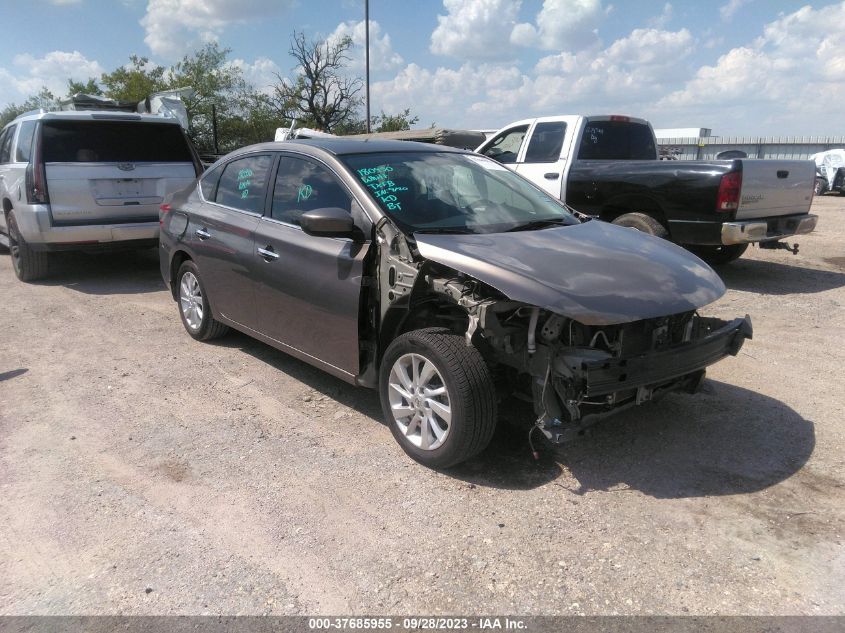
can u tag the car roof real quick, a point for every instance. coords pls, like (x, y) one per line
(341, 146)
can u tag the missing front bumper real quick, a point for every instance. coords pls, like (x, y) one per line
(608, 385)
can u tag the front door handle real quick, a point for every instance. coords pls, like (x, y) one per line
(268, 254)
(552, 175)
(203, 234)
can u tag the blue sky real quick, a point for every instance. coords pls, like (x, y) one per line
(756, 67)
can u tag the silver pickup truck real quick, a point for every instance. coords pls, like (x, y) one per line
(607, 167)
(86, 181)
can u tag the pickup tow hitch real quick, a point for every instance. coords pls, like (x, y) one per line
(778, 246)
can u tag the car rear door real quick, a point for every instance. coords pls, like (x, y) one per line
(221, 234)
(308, 288)
(107, 170)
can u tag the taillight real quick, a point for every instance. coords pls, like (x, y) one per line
(619, 117)
(729, 188)
(36, 174)
(164, 209)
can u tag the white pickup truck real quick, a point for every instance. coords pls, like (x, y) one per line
(608, 167)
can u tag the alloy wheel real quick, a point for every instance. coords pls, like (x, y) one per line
(191, 300)
(419, 401)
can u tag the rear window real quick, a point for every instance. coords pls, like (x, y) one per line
(617, 140)
(113, 142)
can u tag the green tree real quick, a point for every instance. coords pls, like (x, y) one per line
(393, 122)
(88, 88)
(135, 82)
(43, 99)
(320, 95)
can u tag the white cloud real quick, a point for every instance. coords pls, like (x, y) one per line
(475, 29)
(382, 55)
(790, 75)
(261, 73)
(31, 73)
(174, 27)
(664, 18)
(566, 25)
(727, 11)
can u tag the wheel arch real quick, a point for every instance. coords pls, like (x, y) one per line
(176, 261)
(633, 204)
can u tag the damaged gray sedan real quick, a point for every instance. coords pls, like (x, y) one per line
(445, 281)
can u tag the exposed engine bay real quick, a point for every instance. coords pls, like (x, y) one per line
(573, 373)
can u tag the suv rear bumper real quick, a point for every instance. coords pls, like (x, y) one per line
(35, 226)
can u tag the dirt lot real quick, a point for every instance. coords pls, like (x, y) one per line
(145, 473)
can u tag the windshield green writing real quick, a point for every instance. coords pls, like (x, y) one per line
(244, 182)
(379, 182)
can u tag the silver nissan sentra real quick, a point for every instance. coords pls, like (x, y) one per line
(445, 281)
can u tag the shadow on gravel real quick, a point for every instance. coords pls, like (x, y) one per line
(8, 375)
(123, 272)
(724, 440)
(773, 278)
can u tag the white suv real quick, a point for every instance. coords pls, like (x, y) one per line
(83, 180)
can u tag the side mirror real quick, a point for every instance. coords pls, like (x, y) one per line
(328, 222)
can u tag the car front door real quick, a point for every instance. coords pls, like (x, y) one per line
(543, 164)
(308, 288)
(505, 147)
(221, 234)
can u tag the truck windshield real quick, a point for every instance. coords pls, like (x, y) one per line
(617, 140)
(454, 193)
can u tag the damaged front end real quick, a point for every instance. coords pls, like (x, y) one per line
(573, 373)
(577, 374)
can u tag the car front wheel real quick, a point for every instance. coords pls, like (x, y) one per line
(438, 397)
(194, 307)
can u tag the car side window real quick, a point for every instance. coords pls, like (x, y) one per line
(505, 147)
(546, 142)
(209, 180)
(6, 144)
(303, 185)
(23, 152)
(243, 183)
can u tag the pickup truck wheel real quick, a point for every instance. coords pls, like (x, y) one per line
(194, 308)
(438, 397)
(719, 255)
(28, 264)
(642, 222)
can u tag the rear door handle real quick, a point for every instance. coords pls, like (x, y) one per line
(551, 175)
(783, 173)
(203, 234)
(268, 254)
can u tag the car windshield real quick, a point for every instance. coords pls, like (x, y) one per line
(454, 193)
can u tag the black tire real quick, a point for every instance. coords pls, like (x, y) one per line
(719, 255)
(471, 395)
(642, 222)
(818, 188)
(28, 264)
(208, 327)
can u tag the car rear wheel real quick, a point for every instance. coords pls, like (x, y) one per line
(28, 264)
(194, 308)
(438, 397)
(642, 222)
(719, 255)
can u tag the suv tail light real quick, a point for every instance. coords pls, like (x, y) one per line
(729, 188)
(36, 174)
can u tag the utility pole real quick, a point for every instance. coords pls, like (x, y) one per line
(367, 56)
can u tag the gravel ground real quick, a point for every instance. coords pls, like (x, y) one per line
(145, 473)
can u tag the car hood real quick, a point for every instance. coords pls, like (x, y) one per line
(596, 273)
